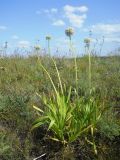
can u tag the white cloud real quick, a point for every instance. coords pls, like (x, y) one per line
(104, 28)
(83, 9)
(112, 38)
(76, 20)
(111, 32)
(59, 23)
(2, 28)
(15, 37)
(69, 8)
(24, 44)
(75, 15)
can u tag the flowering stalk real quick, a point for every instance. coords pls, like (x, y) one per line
(69, 32)
(87, 46)
(48, 38)
(37, 49)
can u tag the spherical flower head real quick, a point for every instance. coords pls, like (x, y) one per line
(69, 32)
(87, 40)
(37, 47)
(48, 37)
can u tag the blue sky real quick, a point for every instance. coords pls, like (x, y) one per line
(22, 22)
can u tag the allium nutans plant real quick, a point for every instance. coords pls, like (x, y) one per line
(67, 120)
(87, 42)
(69, 33)
(48, 38)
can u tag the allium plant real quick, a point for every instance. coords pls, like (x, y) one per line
(37, 49)
(48, 38)
(67, 119)
(69, 32)
(87, 42)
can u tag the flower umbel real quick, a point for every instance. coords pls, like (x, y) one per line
(69, 32)
(37, 47)
(87, 42)
(48, 37)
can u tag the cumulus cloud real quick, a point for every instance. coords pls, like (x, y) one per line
(58, 23)
(112, 38)
(69, 8)
(106, 28)
(111, 32)
(76, 15)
